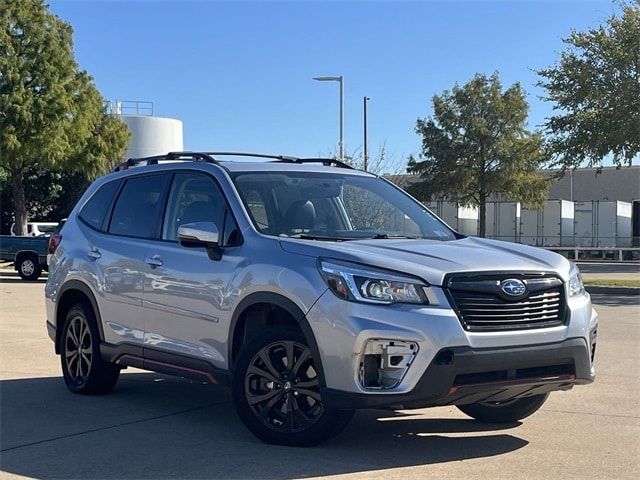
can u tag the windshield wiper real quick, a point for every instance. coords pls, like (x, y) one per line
(385, 236)
(307, 236)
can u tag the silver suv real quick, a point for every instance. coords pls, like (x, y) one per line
(312, 289)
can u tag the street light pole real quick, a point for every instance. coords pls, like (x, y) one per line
(366, 149)
(340, 80)
(341, 146)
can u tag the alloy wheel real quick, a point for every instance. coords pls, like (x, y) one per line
(282, 387)
(77, 351)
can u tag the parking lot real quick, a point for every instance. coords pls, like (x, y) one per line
(154, 426)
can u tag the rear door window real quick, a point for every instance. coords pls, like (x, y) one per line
(93, 212)
(140, 205)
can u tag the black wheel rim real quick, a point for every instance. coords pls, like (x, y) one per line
(282, 387)
(77, 350)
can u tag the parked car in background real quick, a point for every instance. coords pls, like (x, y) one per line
(313, 289)
(29, 254)
(36, 229)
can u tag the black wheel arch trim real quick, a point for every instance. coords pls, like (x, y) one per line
(19, 255)
(87, 292)
(287, 305)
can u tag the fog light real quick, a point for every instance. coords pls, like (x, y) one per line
(384, 363)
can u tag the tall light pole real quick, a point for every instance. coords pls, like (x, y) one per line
(340, 80)
(366, 149)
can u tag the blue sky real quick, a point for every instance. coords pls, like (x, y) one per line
(239, 74)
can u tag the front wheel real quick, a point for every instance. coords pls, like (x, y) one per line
(504, 412)
(276, 389)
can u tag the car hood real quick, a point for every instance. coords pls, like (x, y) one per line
(431, 260)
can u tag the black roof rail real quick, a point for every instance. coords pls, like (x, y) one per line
(327, 162)
(284, 158)
(209, 157)
(250, 154)
(172, 156)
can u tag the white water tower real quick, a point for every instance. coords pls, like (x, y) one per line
(150, 135)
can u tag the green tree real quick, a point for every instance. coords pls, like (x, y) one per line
(51, 114)
(50, 195)
(595, 86)
(476, 144)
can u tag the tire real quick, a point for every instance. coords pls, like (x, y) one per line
(29, 268)
(83, 369)
(278, 404)
(504, 412)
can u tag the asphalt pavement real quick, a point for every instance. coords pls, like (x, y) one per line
(155, 426)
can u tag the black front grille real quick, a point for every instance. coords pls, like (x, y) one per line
(482, 305)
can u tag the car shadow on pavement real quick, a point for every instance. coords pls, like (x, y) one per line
(608, 300)
(19, 280)
(154, 426)
(11, 276)
(603, 268)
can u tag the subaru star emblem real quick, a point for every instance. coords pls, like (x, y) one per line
(513, 287)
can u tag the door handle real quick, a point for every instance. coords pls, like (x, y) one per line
(154, 261)
(94, 254)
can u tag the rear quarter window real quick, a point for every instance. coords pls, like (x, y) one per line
(95, 210)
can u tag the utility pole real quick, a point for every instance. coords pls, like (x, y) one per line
(340, 80)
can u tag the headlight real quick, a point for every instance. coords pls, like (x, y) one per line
(363, 284)
(576, 287)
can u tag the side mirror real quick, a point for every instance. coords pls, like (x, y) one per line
(201, 234)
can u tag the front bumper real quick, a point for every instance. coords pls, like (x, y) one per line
(463, 375)
(343, 329)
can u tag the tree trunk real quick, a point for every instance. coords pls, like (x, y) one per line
(482, 216)
(19, 202)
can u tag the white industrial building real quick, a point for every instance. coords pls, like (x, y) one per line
(587, 207)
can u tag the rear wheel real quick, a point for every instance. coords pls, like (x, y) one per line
(83, 369)
(276, 389)
(29, 268)
(504, 412)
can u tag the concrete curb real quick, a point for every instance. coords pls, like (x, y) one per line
(600, 289)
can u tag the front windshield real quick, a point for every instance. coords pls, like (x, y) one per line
(330, 206)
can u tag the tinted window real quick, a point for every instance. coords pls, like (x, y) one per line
(138, 210)
(193, 198)
(47, 229)
(96, 208)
